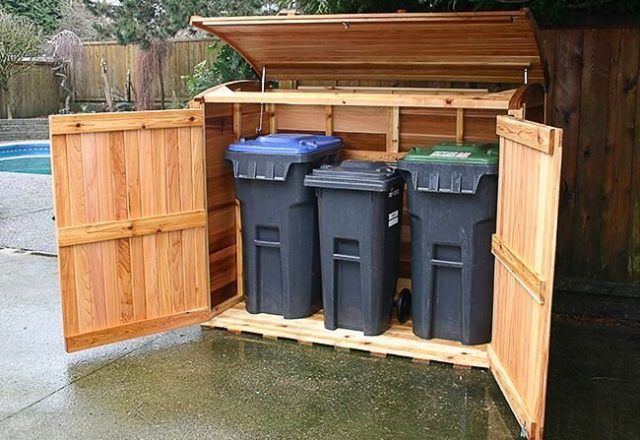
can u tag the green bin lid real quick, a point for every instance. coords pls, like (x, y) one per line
(458, 154)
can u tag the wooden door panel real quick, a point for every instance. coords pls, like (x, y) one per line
(131, 223)
(524, 246)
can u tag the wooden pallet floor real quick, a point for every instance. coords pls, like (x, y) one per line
(399, 340)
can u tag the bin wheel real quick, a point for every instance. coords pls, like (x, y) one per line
(403, 305)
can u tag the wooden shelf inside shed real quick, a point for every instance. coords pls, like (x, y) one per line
(399, 340)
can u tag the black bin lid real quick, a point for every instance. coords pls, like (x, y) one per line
(358, 175)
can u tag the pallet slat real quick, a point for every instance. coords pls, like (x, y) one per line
(399, 340)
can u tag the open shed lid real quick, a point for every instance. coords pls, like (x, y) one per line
(473, 46)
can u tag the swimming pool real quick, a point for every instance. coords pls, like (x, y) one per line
(26, 157)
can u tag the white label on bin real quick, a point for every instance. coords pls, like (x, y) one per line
(454, 154)
(394, 192)
(393, 218)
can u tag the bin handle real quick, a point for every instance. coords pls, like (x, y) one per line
(266, 243)
(312, 144)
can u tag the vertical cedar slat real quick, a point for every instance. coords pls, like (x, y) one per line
(590, 176)
(94, 251)
(273, 122)
(77, 209)
(174, 193)
(564, 112)
(132, 154)
(328, 120)
(619, 148)
(237, 121)
(106, 211)
(121, 211)
(393, 129)
(63, 218)
(199, 202)
(148, 205)
(162, 238)
(459, 125)
(188, 235)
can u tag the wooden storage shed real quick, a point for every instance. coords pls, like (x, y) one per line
(149, 230)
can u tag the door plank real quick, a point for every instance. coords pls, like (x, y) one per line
(132, 165)
(77, 264)
(528, 277)
(118, 175)
(66, 265)
(147, 194)
(176, 279)
(137, 329)
(123, 121)
(187, 204)
(94, 252)
(538, 136)
(106, 212)
(116, 229)
(162, 239)
(198, 180)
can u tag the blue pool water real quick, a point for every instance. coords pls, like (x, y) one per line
(26, 157)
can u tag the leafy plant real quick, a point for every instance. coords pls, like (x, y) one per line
(228, 66)
(550, 12)
(44, 13)
(19, 38)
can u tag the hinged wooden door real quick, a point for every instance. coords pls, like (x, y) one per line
(131, 223)
(525, 246)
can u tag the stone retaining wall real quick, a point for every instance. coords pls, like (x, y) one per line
(23, 129)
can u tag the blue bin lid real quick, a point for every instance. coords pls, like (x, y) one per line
(287, 144)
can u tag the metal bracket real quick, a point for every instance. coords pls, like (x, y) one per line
(523, 431)
(263, 82)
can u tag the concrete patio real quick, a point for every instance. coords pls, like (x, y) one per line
(26, 212)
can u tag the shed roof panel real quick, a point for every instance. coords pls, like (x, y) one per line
(477, 47)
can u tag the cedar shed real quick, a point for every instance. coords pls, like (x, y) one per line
(148, 226)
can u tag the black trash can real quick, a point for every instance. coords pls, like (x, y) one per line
(452, 193)
(279, 221)
(360, 212)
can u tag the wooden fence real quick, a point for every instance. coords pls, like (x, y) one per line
(34, 92)
(594, 96)
(121, 63)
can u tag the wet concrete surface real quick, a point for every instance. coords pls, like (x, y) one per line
(594, 390)
(192, 383)
(26, 212)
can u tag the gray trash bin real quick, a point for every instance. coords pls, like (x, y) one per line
(360, 213)
(452, 193)
(279, 221)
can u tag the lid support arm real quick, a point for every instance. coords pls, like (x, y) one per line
(262, 89)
